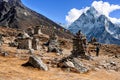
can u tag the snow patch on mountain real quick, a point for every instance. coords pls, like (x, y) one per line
(107, 27)
(94, 24)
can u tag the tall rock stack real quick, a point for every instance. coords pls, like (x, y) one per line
(79, 44)
(73, 62)
(53, 45)
(24, 41)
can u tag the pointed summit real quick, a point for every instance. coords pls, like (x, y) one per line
(94, 24)
(92, 12)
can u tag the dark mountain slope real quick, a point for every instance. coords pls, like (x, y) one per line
(14, 14)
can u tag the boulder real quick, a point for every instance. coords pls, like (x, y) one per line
(73, 65)
(79, 67)
(36, 62)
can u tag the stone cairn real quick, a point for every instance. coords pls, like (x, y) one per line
(29, 39)
(79, 45)
(24, 41)
(73, 62)
(53, 45)
(31, 43)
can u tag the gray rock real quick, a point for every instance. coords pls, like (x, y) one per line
(53, 44)
(74, 66)
(80, 67)
(36, 62)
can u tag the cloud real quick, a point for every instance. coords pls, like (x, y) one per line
(74, 14)
(114, 20)
(104, 8)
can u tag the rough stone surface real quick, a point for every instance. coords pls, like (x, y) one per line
(79, 49)
(24, 43)
(79, 66)
(79, 45)
(36, 62)
(74, 65)
(53, 45)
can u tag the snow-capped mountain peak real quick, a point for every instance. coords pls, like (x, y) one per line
(92, 11)
(94, 24)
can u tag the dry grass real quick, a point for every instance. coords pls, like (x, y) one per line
(11, 69)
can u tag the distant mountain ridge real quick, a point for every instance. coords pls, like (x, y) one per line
(94, 24)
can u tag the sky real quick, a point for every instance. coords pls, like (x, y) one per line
(67, 11)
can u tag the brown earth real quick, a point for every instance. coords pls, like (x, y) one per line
(11, 69)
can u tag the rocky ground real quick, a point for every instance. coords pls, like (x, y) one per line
(104, 67)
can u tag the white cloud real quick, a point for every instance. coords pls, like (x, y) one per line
(114, 20)
(104, 8)
(74, 14)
